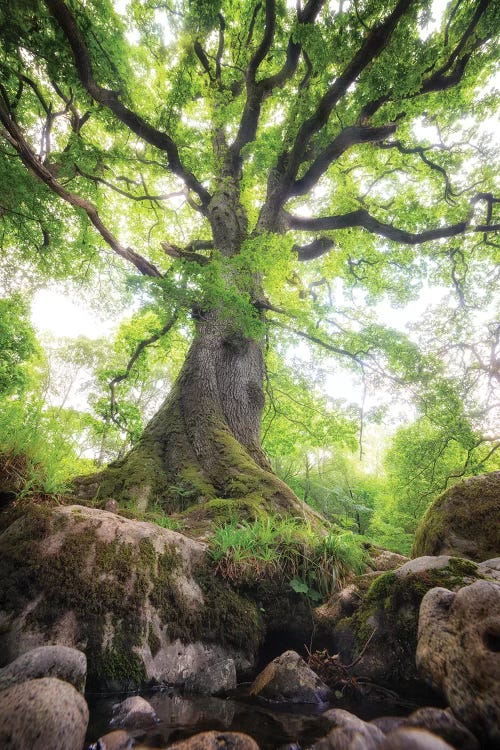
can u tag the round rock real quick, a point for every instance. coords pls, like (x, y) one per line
(413, 739)
(65, 663)
(288, 679)
(217, 741)
(445, 725)
(42, 714)
(134, 713)
(459, 652)
(117, 740)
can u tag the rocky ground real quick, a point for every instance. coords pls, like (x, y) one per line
(90, 598)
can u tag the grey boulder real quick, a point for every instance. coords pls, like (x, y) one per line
(413, 739)
(134, 713)
(216, 677)
(67, 664)
(117, 740)
(459, 652)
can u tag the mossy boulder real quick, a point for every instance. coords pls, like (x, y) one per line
(463, 521)
(380, 635)
(141, 601)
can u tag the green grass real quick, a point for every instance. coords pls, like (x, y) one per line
(315, 564)
(32, 437)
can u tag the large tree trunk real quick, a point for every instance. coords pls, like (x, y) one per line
(201, 452)
(201, 455)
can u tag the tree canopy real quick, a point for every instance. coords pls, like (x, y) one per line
(289, 165)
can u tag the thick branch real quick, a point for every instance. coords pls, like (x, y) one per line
(439, 77)
(257, 91)
(314, 249)
(15, 137)
(373, 45)
(267, 40)
(350, 136)
(109, 99)
(362, 219)
(179, 253)
(220, 48)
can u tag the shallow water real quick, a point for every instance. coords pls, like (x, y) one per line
(271, 725)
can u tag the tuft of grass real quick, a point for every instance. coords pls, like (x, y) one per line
(155, 515)
(315, 564)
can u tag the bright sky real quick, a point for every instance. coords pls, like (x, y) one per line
(56, 313)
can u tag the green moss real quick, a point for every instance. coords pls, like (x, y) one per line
(392, 605)
(147, 553)
(451, 514)
(227, 617)
(108, 585)
(116, 665)
(223, 510)
(154, 642)
(67, 583)
(179, 619)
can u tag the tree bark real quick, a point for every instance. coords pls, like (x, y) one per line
(200, 455)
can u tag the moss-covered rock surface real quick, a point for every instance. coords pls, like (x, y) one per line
(463, 521)
(140, 600)
(380, 636)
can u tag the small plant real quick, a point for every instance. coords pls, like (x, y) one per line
(301, 587)
(314, 563)
(166, 522)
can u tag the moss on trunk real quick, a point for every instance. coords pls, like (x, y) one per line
(200, 455)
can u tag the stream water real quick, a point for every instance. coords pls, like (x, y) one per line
(271, 725)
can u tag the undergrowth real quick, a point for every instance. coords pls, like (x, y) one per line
(315, 564)
(41, 458)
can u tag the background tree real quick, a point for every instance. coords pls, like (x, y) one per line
(240, 158)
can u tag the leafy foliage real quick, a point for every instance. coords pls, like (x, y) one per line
(289, 169)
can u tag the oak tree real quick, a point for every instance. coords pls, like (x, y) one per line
(240, 158)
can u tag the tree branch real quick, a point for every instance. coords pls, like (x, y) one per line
(133, 359)
(200, 54)
(257, 91)
(179, 253)
(372, 46)
(421, 151)
(126, 193)
(350, 136)
(16, 139)
(317, 340)
(267, 40)
(314, 249)
(362, 219)
(220, 48)
(109, 99)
